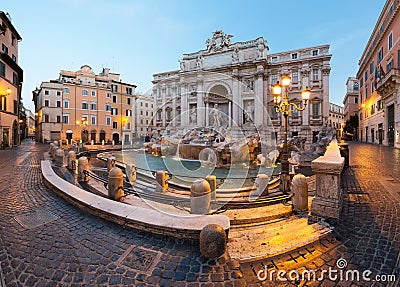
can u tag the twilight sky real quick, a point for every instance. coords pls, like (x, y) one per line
(140, 38)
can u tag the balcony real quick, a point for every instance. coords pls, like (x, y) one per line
(386, 84)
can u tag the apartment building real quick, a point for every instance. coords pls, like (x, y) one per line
(350, 101)
(379, 78)
(94, 108)
(336, 118)
(145, 112)
(11, 78)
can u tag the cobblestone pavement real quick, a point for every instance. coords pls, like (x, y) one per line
(44, 241)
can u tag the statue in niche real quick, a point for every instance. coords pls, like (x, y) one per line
(249, 114)
(215, 114)
(193, 116)
(182, 64)
(248, 85)
(260, 50)
(199, 61)
(235, 55)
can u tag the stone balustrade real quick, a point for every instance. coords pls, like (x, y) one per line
(328, 198)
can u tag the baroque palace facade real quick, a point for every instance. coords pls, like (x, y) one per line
(84, 106)
(234, 80)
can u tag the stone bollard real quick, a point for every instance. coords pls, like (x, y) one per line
(113, 142)
(344, 152)
(115, 184)
(261, 186)
(300, 192)
(102, 142)
(200, 197)
(212, 241)
(92, 142)
(59, 157)
(110, 163)
(51, 149)
(130, 171)
(71, 160)
(212, 181)
(161, 181)
(83, 165)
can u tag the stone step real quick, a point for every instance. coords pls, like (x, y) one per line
(248, 216)
(272, 238)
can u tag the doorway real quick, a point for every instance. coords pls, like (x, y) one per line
(390, 131)
(115, 138)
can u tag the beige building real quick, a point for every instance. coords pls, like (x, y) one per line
(336, 118)
(93, 108)
(227, 86)
(350, 101)
(144, 114)
(11, 77)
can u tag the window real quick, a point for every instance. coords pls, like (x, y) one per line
(129, 91)
(315, 52)
(66, 104)
(2, 69)
(372, 88)
(13, 40)
(84, 105)
(114, 111)
(274, 79)
(128, 113)
(46, 103)
(361, 82)
(66, 90)
(390, 41)
(380, 55)
(58, 104)
(274, 59)
(4, 48)
(3, 103)
(371, 67)
(84, 92)
(128, 101)
(46, 93)
(114, 88)
(294, 56)
(66, 119)
(366, 91)
(379, 105)
(16, 105)
(114, 99)
(58, 119)
(372, 109)
(128, 126)
(366, 76)
(398, 58)
(115, 125)
(93, 120)
(14, 58)
(315, 74)
(141, 113)
(295, 77)
(146, 105)
(93, 93)
(108, 121)
(108, 107)
(356, 100)
(15, 79)
(108, 95)
(355, 86)
(93, 106)
(316, 109)
(389, 66)
(46, 118)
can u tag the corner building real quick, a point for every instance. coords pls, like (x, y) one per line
(379, 79)
(84, 106)
(11, 78)
(236, 78)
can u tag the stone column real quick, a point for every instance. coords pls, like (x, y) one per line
(200, 104)
(259, 97)
(207, 114)
(236, 97)
(328, 197)
(174, 105)
(305, 81)
(184, 106)
(230, 113)
(163, 113)
(325, 71)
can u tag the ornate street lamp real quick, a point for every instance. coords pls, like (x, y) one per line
(285, 107)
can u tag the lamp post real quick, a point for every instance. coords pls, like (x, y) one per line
(285, 107)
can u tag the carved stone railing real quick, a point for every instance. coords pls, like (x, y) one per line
(328, 198)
